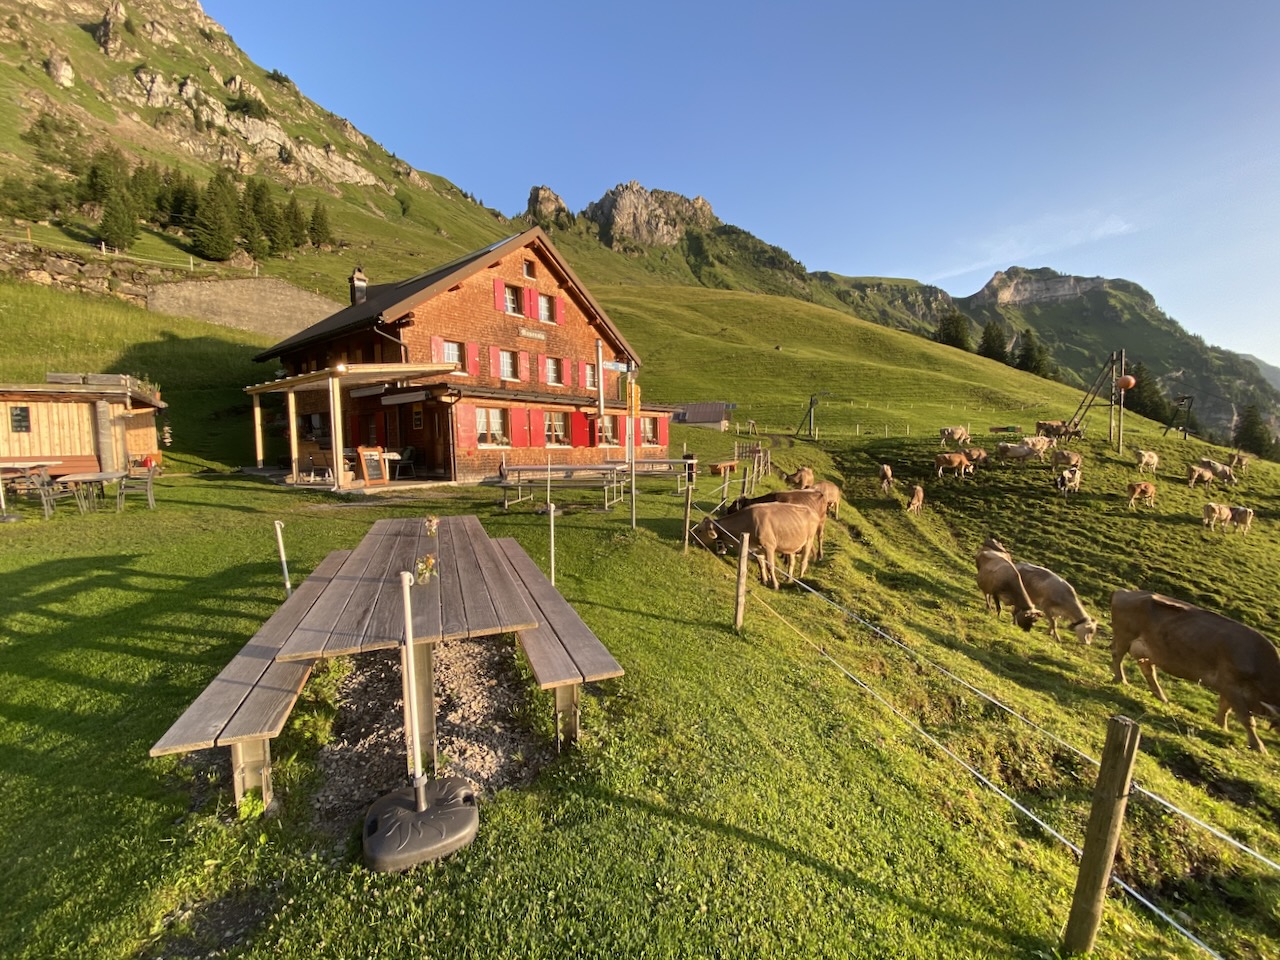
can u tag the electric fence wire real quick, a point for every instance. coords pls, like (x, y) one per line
(1025, 811)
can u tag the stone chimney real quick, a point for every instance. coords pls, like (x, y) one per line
(358, 283)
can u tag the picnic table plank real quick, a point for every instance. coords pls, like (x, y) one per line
(481, 616)
(312, 633)
(501, 586)
(453, 619)
(264, 714)
(200, 724)
(552, 665)
(373, 617)
(589, 655)
(385, 628)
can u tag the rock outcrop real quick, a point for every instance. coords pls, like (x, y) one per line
(655, 218)
(1021, 286)
(60, 71)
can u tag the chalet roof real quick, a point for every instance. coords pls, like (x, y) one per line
(710, 412)
(112, 387)
(388, 302)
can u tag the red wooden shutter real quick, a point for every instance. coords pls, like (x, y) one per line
(529, 302)
(582, 374)
(663, 423)
(559, 309)
(537, 428)
(523, 369)
(495, 363)
(437, 349)
(499, 295)
(464, 426)
(473, 359)
(542, 368)
(621, 435)
(579, 429)
(519, 420)
(567, 366)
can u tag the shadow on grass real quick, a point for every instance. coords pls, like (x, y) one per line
(1031, 945)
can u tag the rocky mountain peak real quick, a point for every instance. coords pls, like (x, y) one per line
(1018, 286)
(658, 218)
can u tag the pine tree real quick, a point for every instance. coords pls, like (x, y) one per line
(1034, 356)
(216, 220)
(953, 330)
(1252, 434)
(296, 222)
(1146, 398)
(119, 225)
(318, 229)
(108, 171)
(992, 345)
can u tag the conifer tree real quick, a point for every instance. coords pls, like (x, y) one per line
(1033, 357)
(216, 220)
(318, 230)
(991, 345)
(108, 170)
(119, 225)
(296, 222)
(1146, 398)
(1253, 435)
(953, 330)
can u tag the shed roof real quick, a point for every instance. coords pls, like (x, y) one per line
(388, 302)
(112, 387)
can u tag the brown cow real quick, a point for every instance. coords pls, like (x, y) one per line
(1236, 662)
(1057, 598)
(957, 435)
(998, 580)
(774, 528)
(1220, 470)
(1066, 458)
(802, 478)
(1198, 473)
(953, 461)
(1147, 459)
(1017, 451)
(1214, 514)
(813, 499)
(916, 503)
(831, 493)
(886, 478)
(1242, 519)
(977, 455)
(1143, 490)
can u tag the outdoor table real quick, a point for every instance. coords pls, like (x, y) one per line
(11, 470)
(366, 606)
(87, 486)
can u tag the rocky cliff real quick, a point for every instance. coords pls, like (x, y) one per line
(629, 213)
(1019, 286)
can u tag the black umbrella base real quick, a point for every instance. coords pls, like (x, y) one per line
(398, 836)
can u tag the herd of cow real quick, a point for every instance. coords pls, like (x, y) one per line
(1240, 664)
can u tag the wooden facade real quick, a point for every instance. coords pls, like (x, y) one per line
(500, 357)
(81, 420)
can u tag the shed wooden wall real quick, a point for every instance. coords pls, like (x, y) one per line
(56, 428)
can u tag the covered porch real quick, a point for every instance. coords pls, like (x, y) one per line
(340, 386)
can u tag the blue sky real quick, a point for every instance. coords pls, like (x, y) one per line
(939, 141)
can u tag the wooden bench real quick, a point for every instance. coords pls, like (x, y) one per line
(75, 464)
(526, 487)
(245, 706)
(562, 651)
(1011, 428)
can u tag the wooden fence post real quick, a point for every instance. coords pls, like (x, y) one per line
(740, 601)
(688, 512)
(1102, 835)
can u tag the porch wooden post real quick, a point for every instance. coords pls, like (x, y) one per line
(291, 406)
(335, 429)
(257, 428)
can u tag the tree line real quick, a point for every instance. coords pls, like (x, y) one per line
(219, 217)
(1250, 433)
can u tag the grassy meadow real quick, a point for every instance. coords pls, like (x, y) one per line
(733, 795)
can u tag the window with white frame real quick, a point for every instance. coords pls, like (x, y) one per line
(557, 429)
(507, 364)
(546, 308)
(608, 431)
(649, 430)
(453, 353)
(555, 371)
(514, 300)
(491, 426)
(589, 380)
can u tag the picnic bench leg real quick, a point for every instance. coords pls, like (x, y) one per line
(567, 713)
(251, 768)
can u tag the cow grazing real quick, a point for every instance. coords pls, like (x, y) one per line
(1239, 461)
(1197, 474)
(1066, 458)
(813, 499)
(1039, 444)
(774, 528)
(1143, 490)
(1242, 519)
(957, 435)
(977, 455)
(1216, 513)
(916, 503)
(1148, 459)
(1219, 470)
(831, 493)
(1017, 451)
(802, 478)
(1057, 599)
(1236, 662)
(953, 461)
(1050, 428)
(1068, 481)
(998, 579)
(886, 478)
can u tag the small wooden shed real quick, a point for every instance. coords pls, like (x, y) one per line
(87, 421)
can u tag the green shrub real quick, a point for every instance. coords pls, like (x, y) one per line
(249, 106)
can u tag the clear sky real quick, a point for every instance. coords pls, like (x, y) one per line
(939, 141)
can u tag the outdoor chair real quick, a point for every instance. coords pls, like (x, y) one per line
(50, 491)
(137, 484)
(404, 466)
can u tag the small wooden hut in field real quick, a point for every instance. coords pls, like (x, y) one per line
(86, 421)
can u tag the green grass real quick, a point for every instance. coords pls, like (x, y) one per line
(733, 795)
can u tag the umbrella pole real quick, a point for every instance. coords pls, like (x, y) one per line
(415, 748)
